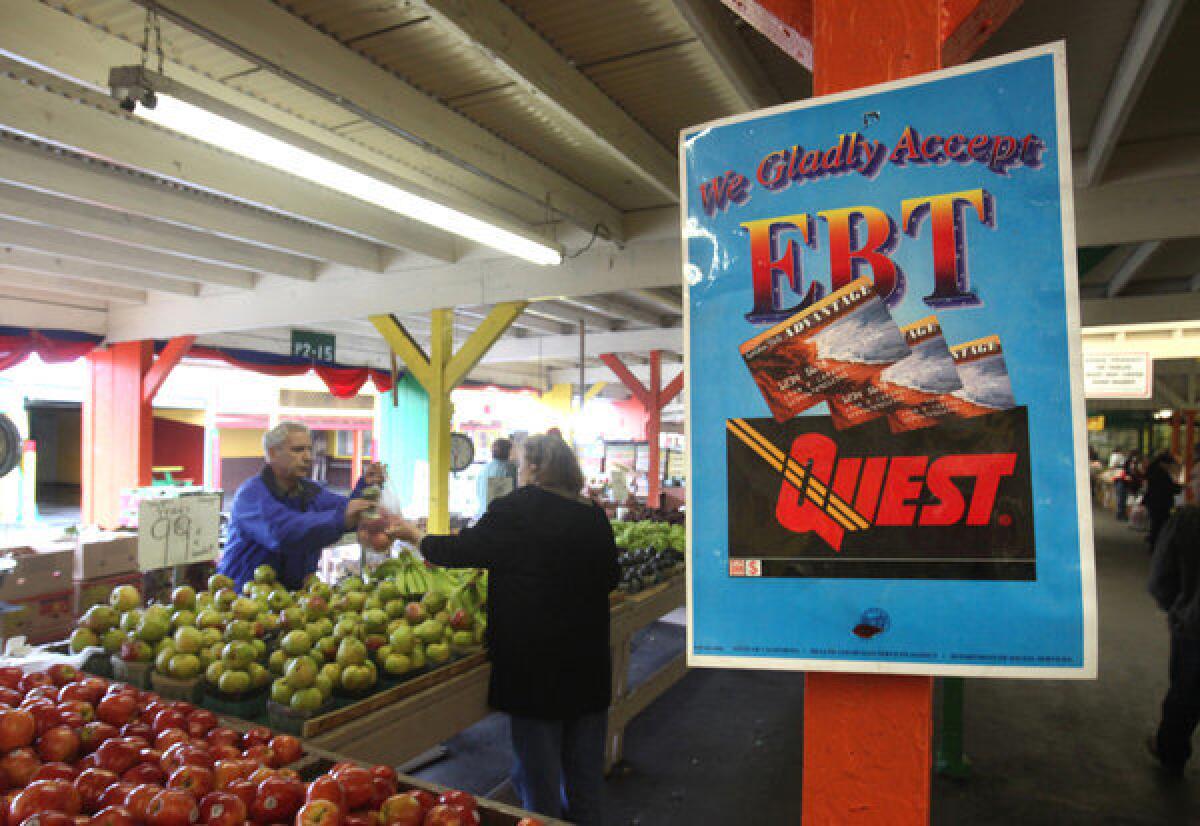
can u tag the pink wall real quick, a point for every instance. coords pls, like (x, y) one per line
(176, 444)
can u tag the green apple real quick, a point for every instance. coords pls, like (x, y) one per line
(234, 682)
(278, 599)
(276, 662)
(100, 618)
(124, 598)
(183, 619)
(112, 640)
(152, 628)
(162, 661)
(325, 686)
(355, 600)
(351, 584)
(462, 639)
(212, 636)
(418, 656)
(434, 601)
(184, 666)
(216, 582)
(375, 620)
(281, 692)
(269, 621)
(259, 675)
(320, 589)
(351, 651)
(130, 620)
(296, 643)
(214, 672)
(402, 640)
(356, 678)
(429, 631)
(189, 640)
(438, 652)
(372, 603)
(328, 646)
(260, 649)
(238, 655)
(387, 591)
(141, 652)
(209, 618)
(397, 664)
(264, 575)
(225, 598)
(293, 617)
(300, 672)
(245, 609)
(346, 627)
(83, 638)
(184, 598)
(415, 613)
(307, 700)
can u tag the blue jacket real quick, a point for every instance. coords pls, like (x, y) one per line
(268, 527)
(496, 467)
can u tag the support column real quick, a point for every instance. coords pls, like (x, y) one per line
(118, 422)
(356, 456)
(652, 399)
(439, 373)
(1175, 422)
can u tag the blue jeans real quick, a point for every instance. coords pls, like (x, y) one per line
(558, 769)
(1181, 708)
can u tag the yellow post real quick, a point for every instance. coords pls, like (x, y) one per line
(439, 373)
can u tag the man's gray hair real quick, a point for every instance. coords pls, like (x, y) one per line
(277, 435)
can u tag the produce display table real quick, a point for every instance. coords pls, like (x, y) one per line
(417, 716)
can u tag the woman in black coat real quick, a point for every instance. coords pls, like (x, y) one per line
(552, 562)
(1161, 490)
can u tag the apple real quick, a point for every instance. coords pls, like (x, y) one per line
(169, 737)
(138, 729)
(184, 597)
(113, 816)
(443, 815)
(19, 765)
(124, 598)
(59, 744)
(55, 771)
(328, 788)
(172, 807)
(257, 736)
(195, 779)
(45, 796)
(186, 754)
(115, 709)
(362, 818)
(51, 819)
(144, 773)
(222, 809)
(169, 718)
(91, 735)
(91, 784)
(244, 790)
(356, 785)
(530, 821)
(17, 729)
(278, 800)
(114, 795)
(117, 755)
(319, 813)
(234, 682)
(381, 790)
(138, 798)
(401, 810)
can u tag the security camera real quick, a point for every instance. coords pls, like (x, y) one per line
(130, 86)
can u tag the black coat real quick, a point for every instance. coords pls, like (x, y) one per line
(1161, 489)
(552, 562)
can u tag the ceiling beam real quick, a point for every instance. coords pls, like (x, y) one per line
(470, 284)
(93, 273)
(570, 316)
(1149, 35)
(615, 309)
(39, 169)
(1130, 267)
(729, 53)
(36, 238)
(523, 322)
(76, 287)
(17, 312)
(522, 55)
(269, 35)
(556, 347)
(1140, 309)
(133, 230)
(598, 373)
(664, 301)
(70, 116)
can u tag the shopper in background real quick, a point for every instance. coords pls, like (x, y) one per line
(1129, 482)
(1161, 490)
(284, 519)
(1175, 585)
(501, 468)
(552, 563)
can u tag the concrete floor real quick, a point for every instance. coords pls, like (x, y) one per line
(724, 747)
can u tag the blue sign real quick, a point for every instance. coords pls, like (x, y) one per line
(887, 435)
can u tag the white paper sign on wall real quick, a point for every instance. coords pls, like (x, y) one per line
(1118, 375)
(178, 531)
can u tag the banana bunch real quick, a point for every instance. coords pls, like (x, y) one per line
(470, 596)
(410, 574)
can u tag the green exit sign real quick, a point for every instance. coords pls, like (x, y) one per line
(317, 346)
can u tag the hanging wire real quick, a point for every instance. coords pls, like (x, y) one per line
(597, 231)
(152, 26)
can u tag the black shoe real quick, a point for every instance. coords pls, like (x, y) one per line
(1170, 769)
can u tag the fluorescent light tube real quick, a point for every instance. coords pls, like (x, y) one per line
(223, 133)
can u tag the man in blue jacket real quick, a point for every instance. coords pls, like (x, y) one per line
(284, 519)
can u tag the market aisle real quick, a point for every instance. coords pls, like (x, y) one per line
(723, 748)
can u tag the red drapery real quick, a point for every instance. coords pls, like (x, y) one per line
(14, 349)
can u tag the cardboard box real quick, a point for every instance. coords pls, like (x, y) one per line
(106, 556)
(89, 592)
(38, 572)
(41, 619)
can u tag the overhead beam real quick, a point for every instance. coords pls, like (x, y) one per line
(134, 230)
(524, 56)
(41, 170)
(562, 347)
(70, 116)
(524, 322)
(570, 316)
(777, 21)
(167, 361)
(729, 53)
(601, 373)
(92, 273)
(616, 310)
(652, 264)
(286, 45)
(15, 312)
(1130, 267)
(663, 300)
(71, 287)
(1149, 35)
(1140, 309)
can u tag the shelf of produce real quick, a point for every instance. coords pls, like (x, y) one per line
(407, 723)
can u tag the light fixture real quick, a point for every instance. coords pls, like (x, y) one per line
(162, 107)
(1165, 413)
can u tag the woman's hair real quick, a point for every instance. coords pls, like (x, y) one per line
(553, 463)
(501, 448)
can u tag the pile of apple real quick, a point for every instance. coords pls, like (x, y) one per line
(81, 751)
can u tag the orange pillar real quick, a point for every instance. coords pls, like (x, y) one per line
(356, 457)
(118, 427)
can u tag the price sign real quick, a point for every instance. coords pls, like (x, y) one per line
(178, 531)
(316, 346)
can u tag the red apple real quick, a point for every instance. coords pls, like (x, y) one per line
(78, 692)
(10, 697)
(319, 813)
(169, 718)
(137, 728)
(530, 821)
(257, 736)
(45, 715)
(116, 709)
(91, 784)
(10, 677)
(45, 796)
(287, 749)
(34, 679)
(59, 744)
(93, 734)
(386, 772)
(228, 771)
(166, 738)
(381, 790)
(223, 752)
(262, 754)
(194, 779)
(150, 756)
(245, 791)
(137, 799)
(62, 673)
(118, 755)
(95, 687)
(113, 816)
(443, 815)
(20, 765)
(17, 729)
(427, 799)
(55, 771)
(356, 784)
(203, 717)
(222, 736)
(360, 818)
(115, 794)
(144, 773)
(401, 810)
(186, 754)
(172, 807)
(48, 819)
(278, 800)
(328, 788)
(222, 809)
